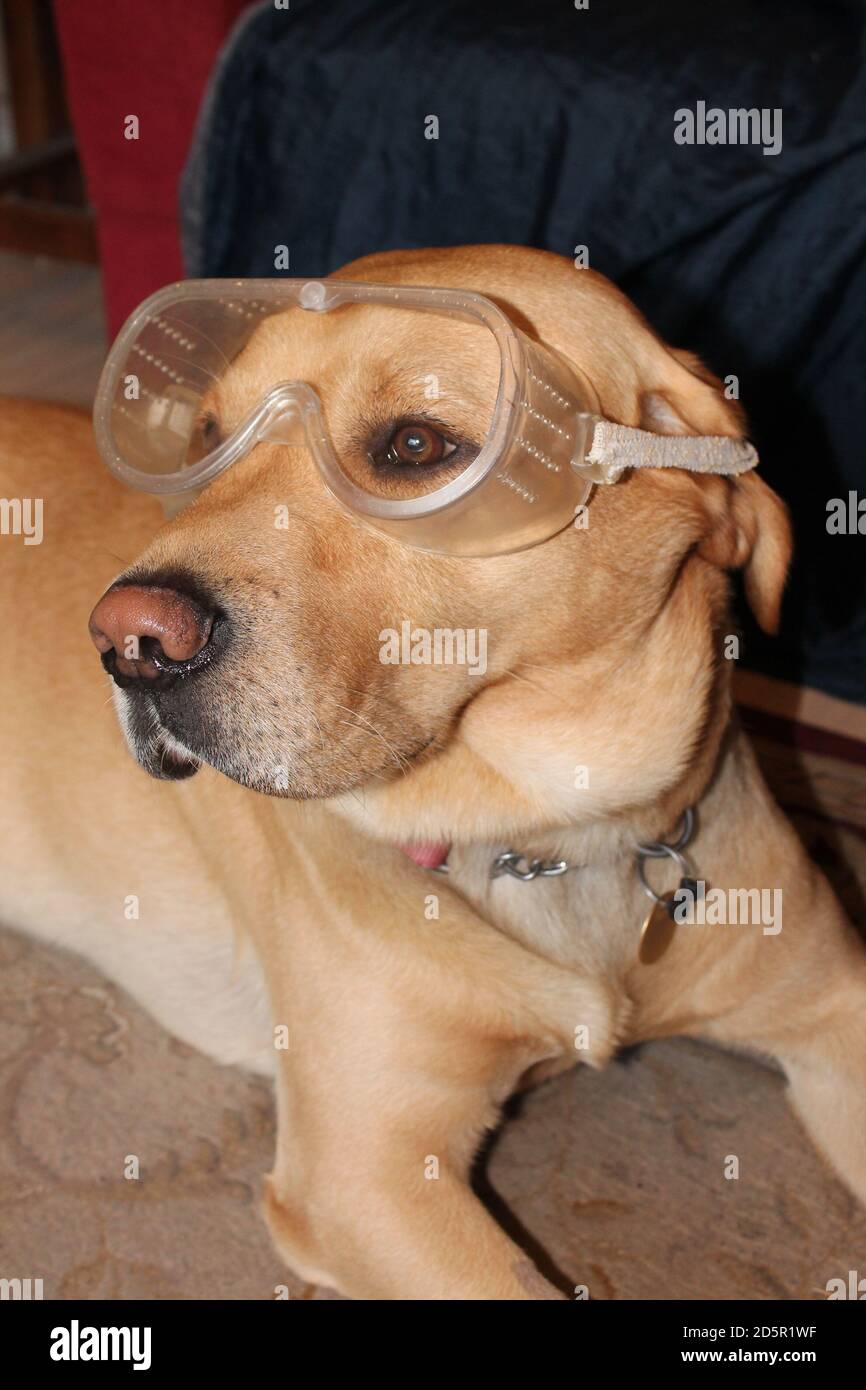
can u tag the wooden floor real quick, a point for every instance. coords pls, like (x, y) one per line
(52, 334)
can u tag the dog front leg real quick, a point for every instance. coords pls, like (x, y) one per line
(403, 1039)
(370, 1195)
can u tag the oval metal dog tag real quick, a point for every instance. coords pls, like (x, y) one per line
(656, 935)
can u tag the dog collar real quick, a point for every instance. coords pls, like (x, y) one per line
(434, 855)
(428, 855)
(659, 925)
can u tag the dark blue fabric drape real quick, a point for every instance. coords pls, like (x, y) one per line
(556, 129)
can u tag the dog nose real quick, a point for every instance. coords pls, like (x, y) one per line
(149, 629)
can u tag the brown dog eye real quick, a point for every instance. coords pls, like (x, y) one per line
(418, 444)
(205, 437)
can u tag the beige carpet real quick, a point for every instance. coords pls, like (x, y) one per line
(618, 1176)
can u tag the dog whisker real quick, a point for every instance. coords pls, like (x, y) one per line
(400, 760)
(536, 666)
(524, 680)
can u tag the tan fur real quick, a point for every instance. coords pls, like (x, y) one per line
(605, 651)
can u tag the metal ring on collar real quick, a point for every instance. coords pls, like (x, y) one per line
(680, 859)
(658, 850)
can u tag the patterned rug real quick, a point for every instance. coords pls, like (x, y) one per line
(615, 1178)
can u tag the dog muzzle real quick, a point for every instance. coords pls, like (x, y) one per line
(180, 400)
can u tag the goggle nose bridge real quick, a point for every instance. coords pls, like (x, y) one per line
(287, 414)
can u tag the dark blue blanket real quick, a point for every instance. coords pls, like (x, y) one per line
(556, 129)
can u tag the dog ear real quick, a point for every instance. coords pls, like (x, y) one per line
(748, 523)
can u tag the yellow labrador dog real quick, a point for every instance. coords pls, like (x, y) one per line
(303, 934)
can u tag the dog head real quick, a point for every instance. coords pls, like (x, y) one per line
(268, 633)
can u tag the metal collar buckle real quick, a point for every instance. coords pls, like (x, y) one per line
(660, 850)
(510, 863)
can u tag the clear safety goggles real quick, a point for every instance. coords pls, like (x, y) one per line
(471, 438)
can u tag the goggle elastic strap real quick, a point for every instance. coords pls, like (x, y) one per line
(618, 447)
